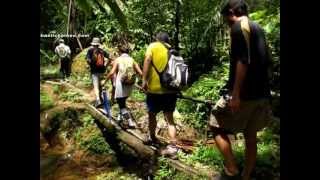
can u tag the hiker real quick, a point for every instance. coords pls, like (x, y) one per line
(64, 53)
(158, 98)
(245, 108)
(97, 63)
(125, 69)
(113, 82)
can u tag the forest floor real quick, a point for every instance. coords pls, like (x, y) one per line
(61, 158)
(76, 149)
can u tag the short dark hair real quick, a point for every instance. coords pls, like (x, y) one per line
(163, 36)
(239, 8)
(123, 49)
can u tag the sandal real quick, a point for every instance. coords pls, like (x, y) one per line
(227, 172)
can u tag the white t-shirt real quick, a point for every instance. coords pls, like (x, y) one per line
(62, 50)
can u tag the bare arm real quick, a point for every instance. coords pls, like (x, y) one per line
(241, 70)
(137, 68)
(109, 62)
(146, 66)
(113, 70)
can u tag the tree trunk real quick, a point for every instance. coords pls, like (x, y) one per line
(69, 15)
(177, 23)
(71, 28)
(79, 43)
(118, 14)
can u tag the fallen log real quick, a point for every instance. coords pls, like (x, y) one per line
(191, 170)
(48, 115)
(123, 136)
(73, 88)
(186, 148)
(48, 76)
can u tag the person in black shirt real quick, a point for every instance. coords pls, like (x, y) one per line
(245, 107)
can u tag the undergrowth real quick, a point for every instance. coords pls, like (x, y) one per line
(89, 137)
(46, 102)
(268, 158)
(206, 88)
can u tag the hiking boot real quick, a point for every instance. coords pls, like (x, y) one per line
(170, 151)
(132, 124)
(126, 115)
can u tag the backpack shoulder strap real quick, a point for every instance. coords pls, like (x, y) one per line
(245, 29)
(155, 67)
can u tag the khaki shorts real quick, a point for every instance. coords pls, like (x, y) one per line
(252, 116)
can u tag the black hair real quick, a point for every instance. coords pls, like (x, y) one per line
(123, 49)
(163, 36)
(239, 8)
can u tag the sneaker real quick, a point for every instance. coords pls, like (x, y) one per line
(132, 124)
(170, 150)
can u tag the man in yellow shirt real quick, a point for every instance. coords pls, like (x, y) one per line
(158, 98)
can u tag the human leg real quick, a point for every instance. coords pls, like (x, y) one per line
(152, 125)
(125, 113)
(96, 87)
(168, 106)
(172, 132)
(112, 94)
(250, 154)
(121, 102)
(153, 109)
(63, 68)
(259, 115)
(224, 146)
(68, 67)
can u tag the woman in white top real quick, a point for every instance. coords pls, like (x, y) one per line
(123, 65)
